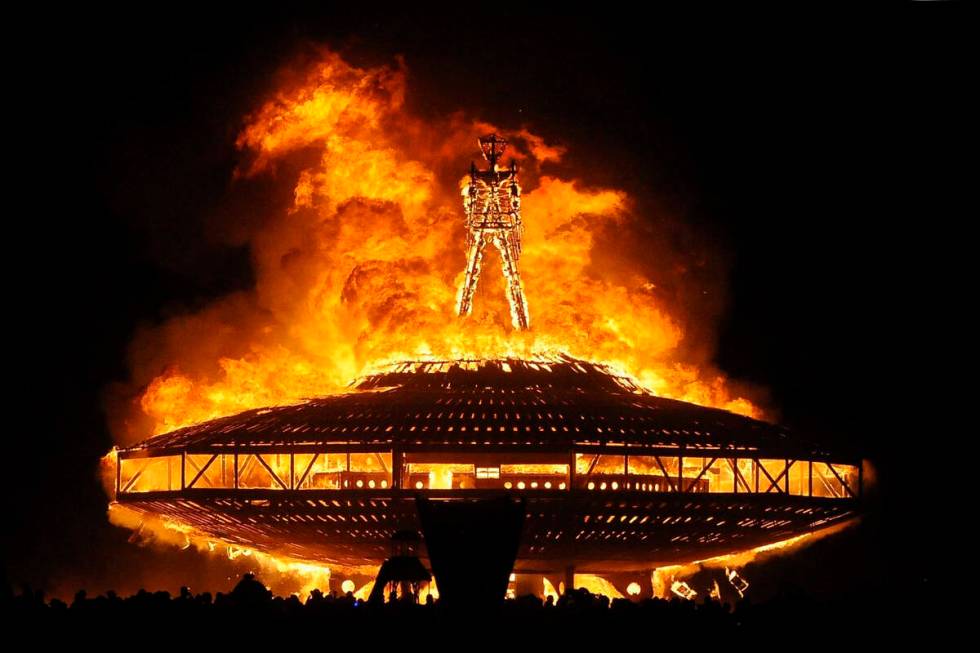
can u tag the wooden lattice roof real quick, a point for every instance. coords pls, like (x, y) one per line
(551, 405)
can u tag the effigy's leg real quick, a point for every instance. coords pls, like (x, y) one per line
(515, 291)
(464, 300)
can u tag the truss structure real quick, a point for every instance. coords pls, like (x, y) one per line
(614, 479)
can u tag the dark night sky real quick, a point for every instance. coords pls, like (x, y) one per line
(817, 150)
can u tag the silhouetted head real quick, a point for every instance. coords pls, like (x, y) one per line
(249, 591)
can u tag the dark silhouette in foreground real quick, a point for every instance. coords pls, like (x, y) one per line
(575, 609)
(459, 532)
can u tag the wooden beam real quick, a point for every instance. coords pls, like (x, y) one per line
(595, 459)
(306, 472)
(396, 468)
(785, 473)
(201, 470)
(670, 482)
(134, 477)
(842, 481)
(269, 469)
(700, 474)
(772, 483)
(248, 462)
(739, 476)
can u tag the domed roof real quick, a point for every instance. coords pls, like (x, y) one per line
(551, 404)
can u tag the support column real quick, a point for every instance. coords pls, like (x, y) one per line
(569, 577)
(396, 469)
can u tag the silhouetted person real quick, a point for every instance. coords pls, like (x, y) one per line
(249, 592)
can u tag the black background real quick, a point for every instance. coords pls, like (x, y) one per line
(820, 150)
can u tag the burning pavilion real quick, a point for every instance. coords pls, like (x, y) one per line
(604, 477)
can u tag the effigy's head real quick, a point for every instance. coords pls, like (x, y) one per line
(493, 147)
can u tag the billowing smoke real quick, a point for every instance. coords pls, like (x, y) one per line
(360, 264)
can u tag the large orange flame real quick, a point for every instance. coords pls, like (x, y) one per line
(363, 265)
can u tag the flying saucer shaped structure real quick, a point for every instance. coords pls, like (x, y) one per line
(613, 478)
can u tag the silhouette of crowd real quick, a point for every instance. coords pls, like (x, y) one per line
(250, 600)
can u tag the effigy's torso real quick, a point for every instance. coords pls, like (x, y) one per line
(492, 201)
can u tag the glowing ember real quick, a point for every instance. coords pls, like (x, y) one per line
(715, 592)
(736, 580)
(683, 590)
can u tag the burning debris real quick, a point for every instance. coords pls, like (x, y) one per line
(683, 590)
(736, 580)
(715, 593)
